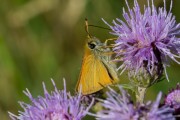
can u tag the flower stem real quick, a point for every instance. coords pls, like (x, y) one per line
(141, 91)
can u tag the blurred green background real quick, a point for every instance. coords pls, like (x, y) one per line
(44, 39)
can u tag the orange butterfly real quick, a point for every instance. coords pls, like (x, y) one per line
(96, 72)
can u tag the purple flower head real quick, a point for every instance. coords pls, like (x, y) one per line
(119, 106)
(146, 40)
(57, 105)
(173, 99)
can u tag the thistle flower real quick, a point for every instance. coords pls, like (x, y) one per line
(119, 106)
(146, 40)
(173, 99)
(57, 105)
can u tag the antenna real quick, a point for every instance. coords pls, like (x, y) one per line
(86, 27)
(99, 27)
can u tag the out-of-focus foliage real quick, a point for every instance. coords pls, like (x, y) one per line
(43, 39)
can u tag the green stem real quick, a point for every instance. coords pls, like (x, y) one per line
(141, 91)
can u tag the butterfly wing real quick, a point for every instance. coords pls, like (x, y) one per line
(94, 75)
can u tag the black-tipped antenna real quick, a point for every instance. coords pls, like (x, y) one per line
(86, 27)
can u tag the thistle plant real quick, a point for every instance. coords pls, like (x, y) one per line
(145, 43)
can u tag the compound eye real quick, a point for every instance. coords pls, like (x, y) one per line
(91, 45)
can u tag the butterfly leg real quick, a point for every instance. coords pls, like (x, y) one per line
(109, 40)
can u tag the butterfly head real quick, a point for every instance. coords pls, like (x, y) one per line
(94, 43)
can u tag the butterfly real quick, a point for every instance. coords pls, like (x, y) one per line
(97, 71)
